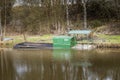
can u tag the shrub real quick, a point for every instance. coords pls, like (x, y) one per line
(95, 23)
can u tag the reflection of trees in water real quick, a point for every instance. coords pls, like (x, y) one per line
(37, 66)
(104, 66)
(105, 73)
(6, 66)
(65, 71)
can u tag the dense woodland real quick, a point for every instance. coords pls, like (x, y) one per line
(56, 16)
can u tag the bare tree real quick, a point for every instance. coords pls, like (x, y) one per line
(85, 13)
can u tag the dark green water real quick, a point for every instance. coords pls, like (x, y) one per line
(59, 64)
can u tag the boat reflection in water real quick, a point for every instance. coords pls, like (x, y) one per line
(59, 65)
(62, 54)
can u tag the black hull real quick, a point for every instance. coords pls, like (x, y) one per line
(30, 45)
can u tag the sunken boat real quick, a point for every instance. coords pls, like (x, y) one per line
(32, 45)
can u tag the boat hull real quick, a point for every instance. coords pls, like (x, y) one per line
(30, 45)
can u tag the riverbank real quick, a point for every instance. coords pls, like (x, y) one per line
(101, 40)
(29, 38)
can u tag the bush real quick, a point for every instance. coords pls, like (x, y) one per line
(95, 23)
(102, 10)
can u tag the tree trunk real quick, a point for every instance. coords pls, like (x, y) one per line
(24, 36)
(85, 15)
(1, 32)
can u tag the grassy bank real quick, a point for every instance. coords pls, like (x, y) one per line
(30, 38)
(112, 39)
(100, 39)
(33, 38)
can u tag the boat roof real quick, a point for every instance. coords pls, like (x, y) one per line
(79, 32)
(63, 37)
(7, 39)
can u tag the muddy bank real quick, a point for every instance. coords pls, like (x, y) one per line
(105, 45)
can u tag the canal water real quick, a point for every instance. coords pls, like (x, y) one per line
(98, 64)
